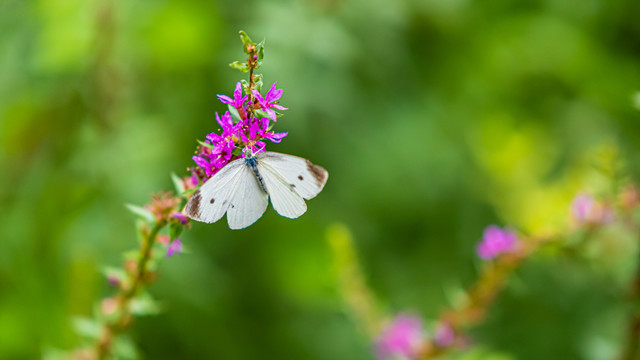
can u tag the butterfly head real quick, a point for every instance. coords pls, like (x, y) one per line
(248, 153)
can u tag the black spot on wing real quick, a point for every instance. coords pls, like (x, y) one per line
(300, 177)
(193, 206)
(212, 201)
(318, 172)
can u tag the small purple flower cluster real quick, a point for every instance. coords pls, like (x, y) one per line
(496, 241)
(249, 132)
(402, 338)
(586, 210)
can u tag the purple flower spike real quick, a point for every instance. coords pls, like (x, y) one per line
(174, 248)
(496, 241)
(402, 338)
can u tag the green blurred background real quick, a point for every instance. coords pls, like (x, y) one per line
(434, 119)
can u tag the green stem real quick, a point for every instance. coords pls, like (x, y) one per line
(143, 259)
(111, 329)
(481, 295)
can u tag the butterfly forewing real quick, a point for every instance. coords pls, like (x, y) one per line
(304, 177)
(248, 201)
(211, 201)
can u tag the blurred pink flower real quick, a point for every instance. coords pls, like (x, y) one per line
(630, 197)
(174, 248)
(586, 210)
(402, 338)
(109, 306)
(581, 207)
(444, 335)
(496, 241)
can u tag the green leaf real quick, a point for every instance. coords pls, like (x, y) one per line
(246, 42)
(177, 183)
(210, 146)
(260, 53)
(234, 114)
(124, 348)
(141, 212)
(189, 191)
(144, 304)
(261, 113)
(175, 230)
(131, 255)
(142, 227)
(86, 327)
(454, 293)
(240, 66)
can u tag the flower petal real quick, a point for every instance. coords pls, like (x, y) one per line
(201, 162)
(225, 99)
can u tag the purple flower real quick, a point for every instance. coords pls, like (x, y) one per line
(174, 248)
(237, 101)
(444, 335)
(228, 129)
(269, 101)
(259, 130)
(496, 241)
(212, 158)
(204, 163)
(252, 140)
(402, 338)
(270, 135)
(181, 218)
(581, 207)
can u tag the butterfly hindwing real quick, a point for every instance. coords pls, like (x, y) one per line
(303, 176)
(286, 201)
(210, 202)
(248, 202)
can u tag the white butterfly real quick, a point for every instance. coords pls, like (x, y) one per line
(242, 188)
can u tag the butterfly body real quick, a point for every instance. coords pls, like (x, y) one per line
(243, 187)
(252, 163)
